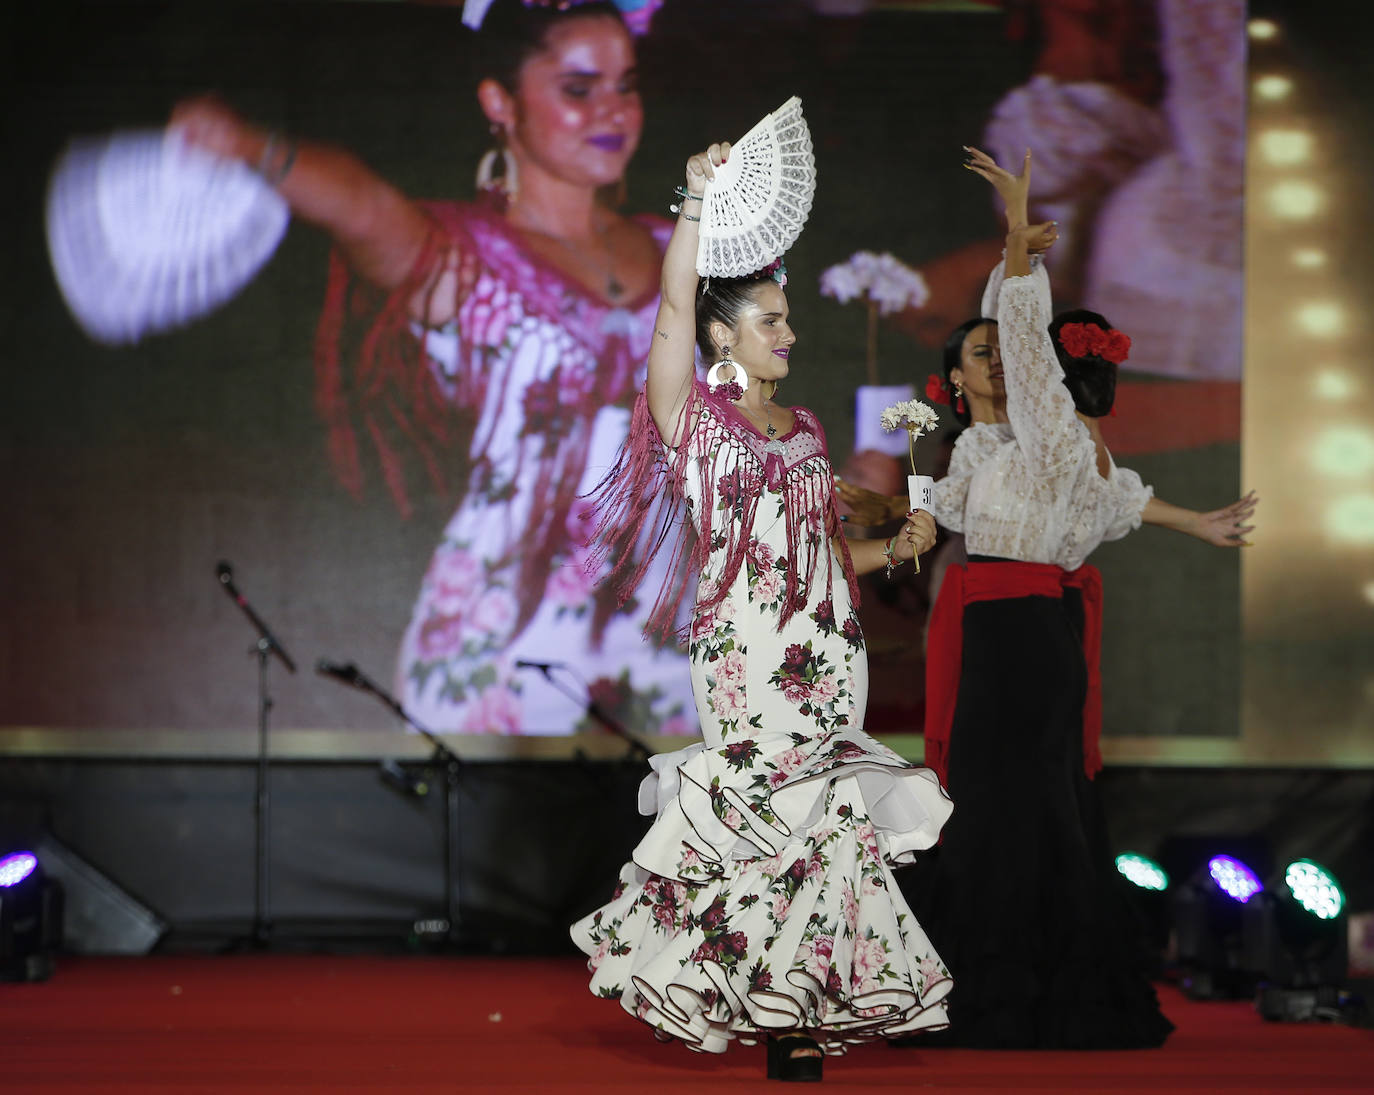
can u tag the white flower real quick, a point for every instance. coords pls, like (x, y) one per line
(918, 418)
(888, 282)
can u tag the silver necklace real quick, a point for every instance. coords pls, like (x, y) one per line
(614, 289)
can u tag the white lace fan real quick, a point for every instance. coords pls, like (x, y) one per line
(146, 233)
(759, 200)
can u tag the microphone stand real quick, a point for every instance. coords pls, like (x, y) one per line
(443, 758)
(638, 750)
(266, 646)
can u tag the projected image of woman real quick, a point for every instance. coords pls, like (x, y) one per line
(762, 902)
(494, 348)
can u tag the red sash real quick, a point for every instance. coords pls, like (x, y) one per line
(945, 645)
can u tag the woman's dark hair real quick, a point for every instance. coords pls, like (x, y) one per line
(724, 299)
(1091, 379)
(953, 357)
(512, 32)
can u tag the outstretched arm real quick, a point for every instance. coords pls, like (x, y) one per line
(1225, 527)
(672, 358)
(915, 538)
(380, 231)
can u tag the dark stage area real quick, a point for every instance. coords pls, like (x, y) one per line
(536, 844)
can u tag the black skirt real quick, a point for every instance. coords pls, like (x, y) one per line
(1022, 898)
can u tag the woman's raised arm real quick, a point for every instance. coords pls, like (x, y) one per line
(672, 358)
(380, 231)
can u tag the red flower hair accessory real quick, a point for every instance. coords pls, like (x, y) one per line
(937, 389)
(1082, 339)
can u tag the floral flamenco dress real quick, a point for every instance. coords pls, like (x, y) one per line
(762, 896)
(516, 408)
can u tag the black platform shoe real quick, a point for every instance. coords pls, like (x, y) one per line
(784, 1063)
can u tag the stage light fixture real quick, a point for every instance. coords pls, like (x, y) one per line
(1273, 87)
(1296, 200)
(1263, 30)
(1346, 452)
(1295, 939)
(1286, 147)
(30, 918)
(1350, 520)
(1142, 871)
(1208, 928)
(1147, 893)
(1321, 318)
(1333, 384)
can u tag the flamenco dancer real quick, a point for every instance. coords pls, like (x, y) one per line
(1035, 930)
(761, 902)
(495, 347)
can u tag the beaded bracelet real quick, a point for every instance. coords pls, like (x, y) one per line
(269, 152)
(682, 192)
(887, 553)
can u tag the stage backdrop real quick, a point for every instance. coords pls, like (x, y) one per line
(131, 471)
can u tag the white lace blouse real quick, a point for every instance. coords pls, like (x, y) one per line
(1029, 490)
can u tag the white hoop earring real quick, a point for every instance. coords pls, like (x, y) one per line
(740, 379)
(506, 180)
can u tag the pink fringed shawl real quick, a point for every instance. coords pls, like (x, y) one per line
(374, 377)
(723, 468)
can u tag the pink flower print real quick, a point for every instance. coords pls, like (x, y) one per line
(851, 906)
(495, 711)
(770, 867)
(768, 586)
(796, 690)
(762, 553)
(929, 970)
(570, 583)
(581, 522)
(782, 904)
(690, 861)
(730, 670)
(495, 612)
(869, 958)
(455, 576)
(441, 636)
(642, 1007)
(815, 866)
(728, 703)
(869, 887)
(599, 955)
(790, 760)
(825, 689)
(725, 611)
(816, 956)
(732, 818)
(868, 837)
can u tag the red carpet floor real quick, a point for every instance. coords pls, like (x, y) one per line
(279, 1023)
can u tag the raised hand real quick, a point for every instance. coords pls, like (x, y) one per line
(917, 536)
(1014, 189)
(207, 122)
(1228, 526)
(702, 166)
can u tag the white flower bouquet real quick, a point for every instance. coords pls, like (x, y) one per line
(918, 419)
(883, 283)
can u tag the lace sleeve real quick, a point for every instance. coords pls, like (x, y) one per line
(951, 492)
(1128, 497)
(993, 289)
(1039, 407)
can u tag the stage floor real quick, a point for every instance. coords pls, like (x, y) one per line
(294, 1023)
